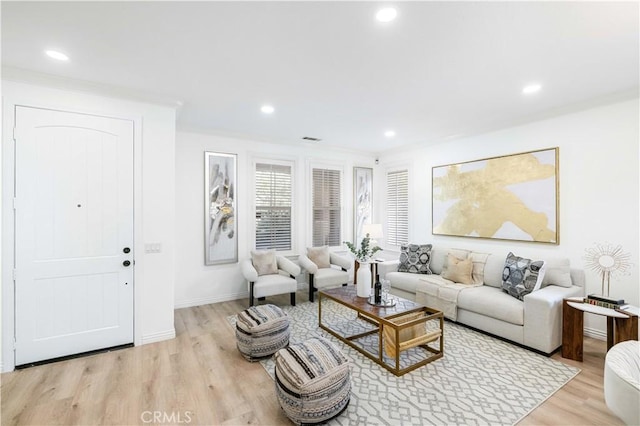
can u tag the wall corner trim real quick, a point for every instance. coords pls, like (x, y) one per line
(159, 336)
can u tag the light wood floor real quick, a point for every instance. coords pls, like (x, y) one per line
(199, 378)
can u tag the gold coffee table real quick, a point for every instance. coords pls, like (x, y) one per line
(399, 329)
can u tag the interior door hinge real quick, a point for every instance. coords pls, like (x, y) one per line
(14, 133)
(15, 343)
(15, 274)
(15, 203)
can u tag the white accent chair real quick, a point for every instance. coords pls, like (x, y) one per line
(284, 281)
(335, 275)
(622, 381)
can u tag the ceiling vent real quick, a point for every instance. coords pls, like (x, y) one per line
(310, 139)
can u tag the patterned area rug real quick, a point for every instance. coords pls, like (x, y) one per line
(480, 380)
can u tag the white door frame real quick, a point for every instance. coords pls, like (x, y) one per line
(7, 311)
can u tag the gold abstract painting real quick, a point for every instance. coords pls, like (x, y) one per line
(514, 197)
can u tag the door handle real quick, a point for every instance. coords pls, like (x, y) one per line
(126, 249)
(126, 263)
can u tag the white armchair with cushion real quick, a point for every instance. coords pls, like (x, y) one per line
(325, 269)
(269, 274)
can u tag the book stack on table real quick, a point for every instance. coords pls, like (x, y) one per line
(604, 301)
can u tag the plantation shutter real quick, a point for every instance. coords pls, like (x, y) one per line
(273, 206)
(326, 207)
(397, 208)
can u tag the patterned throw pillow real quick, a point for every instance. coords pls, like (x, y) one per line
(415, 258)
(521, 276)
(320, 256)
(458, 270)
(265, 262)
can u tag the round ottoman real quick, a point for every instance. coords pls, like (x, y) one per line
(261, 331)
(313, 381)
(622, 381)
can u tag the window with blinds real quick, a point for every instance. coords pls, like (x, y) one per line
(273, 206)
(326, 207)
(397, 208)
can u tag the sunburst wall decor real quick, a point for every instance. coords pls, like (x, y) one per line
(607, 260)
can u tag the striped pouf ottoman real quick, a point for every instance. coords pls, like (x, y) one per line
(313, 381)
(261, 331)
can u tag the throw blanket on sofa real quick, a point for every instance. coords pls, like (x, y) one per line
(439, 293)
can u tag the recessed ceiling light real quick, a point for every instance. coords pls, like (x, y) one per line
(387, 14)
(57, 55)
(389, 133)
(267, 109)
(531, 88)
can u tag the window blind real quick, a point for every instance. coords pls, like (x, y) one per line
(326, 207)
(273, 206)
(397, 208)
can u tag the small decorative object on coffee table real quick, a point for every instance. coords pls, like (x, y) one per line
(384, 303)
(377, 292)
(363, 255)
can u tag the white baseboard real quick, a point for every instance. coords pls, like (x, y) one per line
(595, 333)
(158, 337)
(208, 300)
(302, 285)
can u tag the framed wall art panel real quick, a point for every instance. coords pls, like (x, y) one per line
(221, 233)
(513, 197)
(362, 201)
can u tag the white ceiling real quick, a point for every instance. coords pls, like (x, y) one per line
(439, 71)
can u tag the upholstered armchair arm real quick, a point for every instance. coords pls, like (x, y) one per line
(342, 262)
(249, 271)
(288, 266)
(307, 264)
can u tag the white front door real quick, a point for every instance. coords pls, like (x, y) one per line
(73, 233)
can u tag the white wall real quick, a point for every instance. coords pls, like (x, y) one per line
(197, 283)
(599, 185)
(154, 205)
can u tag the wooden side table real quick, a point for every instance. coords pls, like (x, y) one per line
(621, 326)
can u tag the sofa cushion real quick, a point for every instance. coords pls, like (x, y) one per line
(521, 276)
(558, 272)
(435, 279)
(320, 256)
(265, 262)
(404, 280)
(458, 270)
(438, 259)
(492, 302)
(415, 258)
(493, 270)
(330, 277)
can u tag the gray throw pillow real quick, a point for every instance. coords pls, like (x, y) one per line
(521, 276)
(265, 262)
(415, 258)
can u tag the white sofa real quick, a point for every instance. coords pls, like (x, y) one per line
(535, 322)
